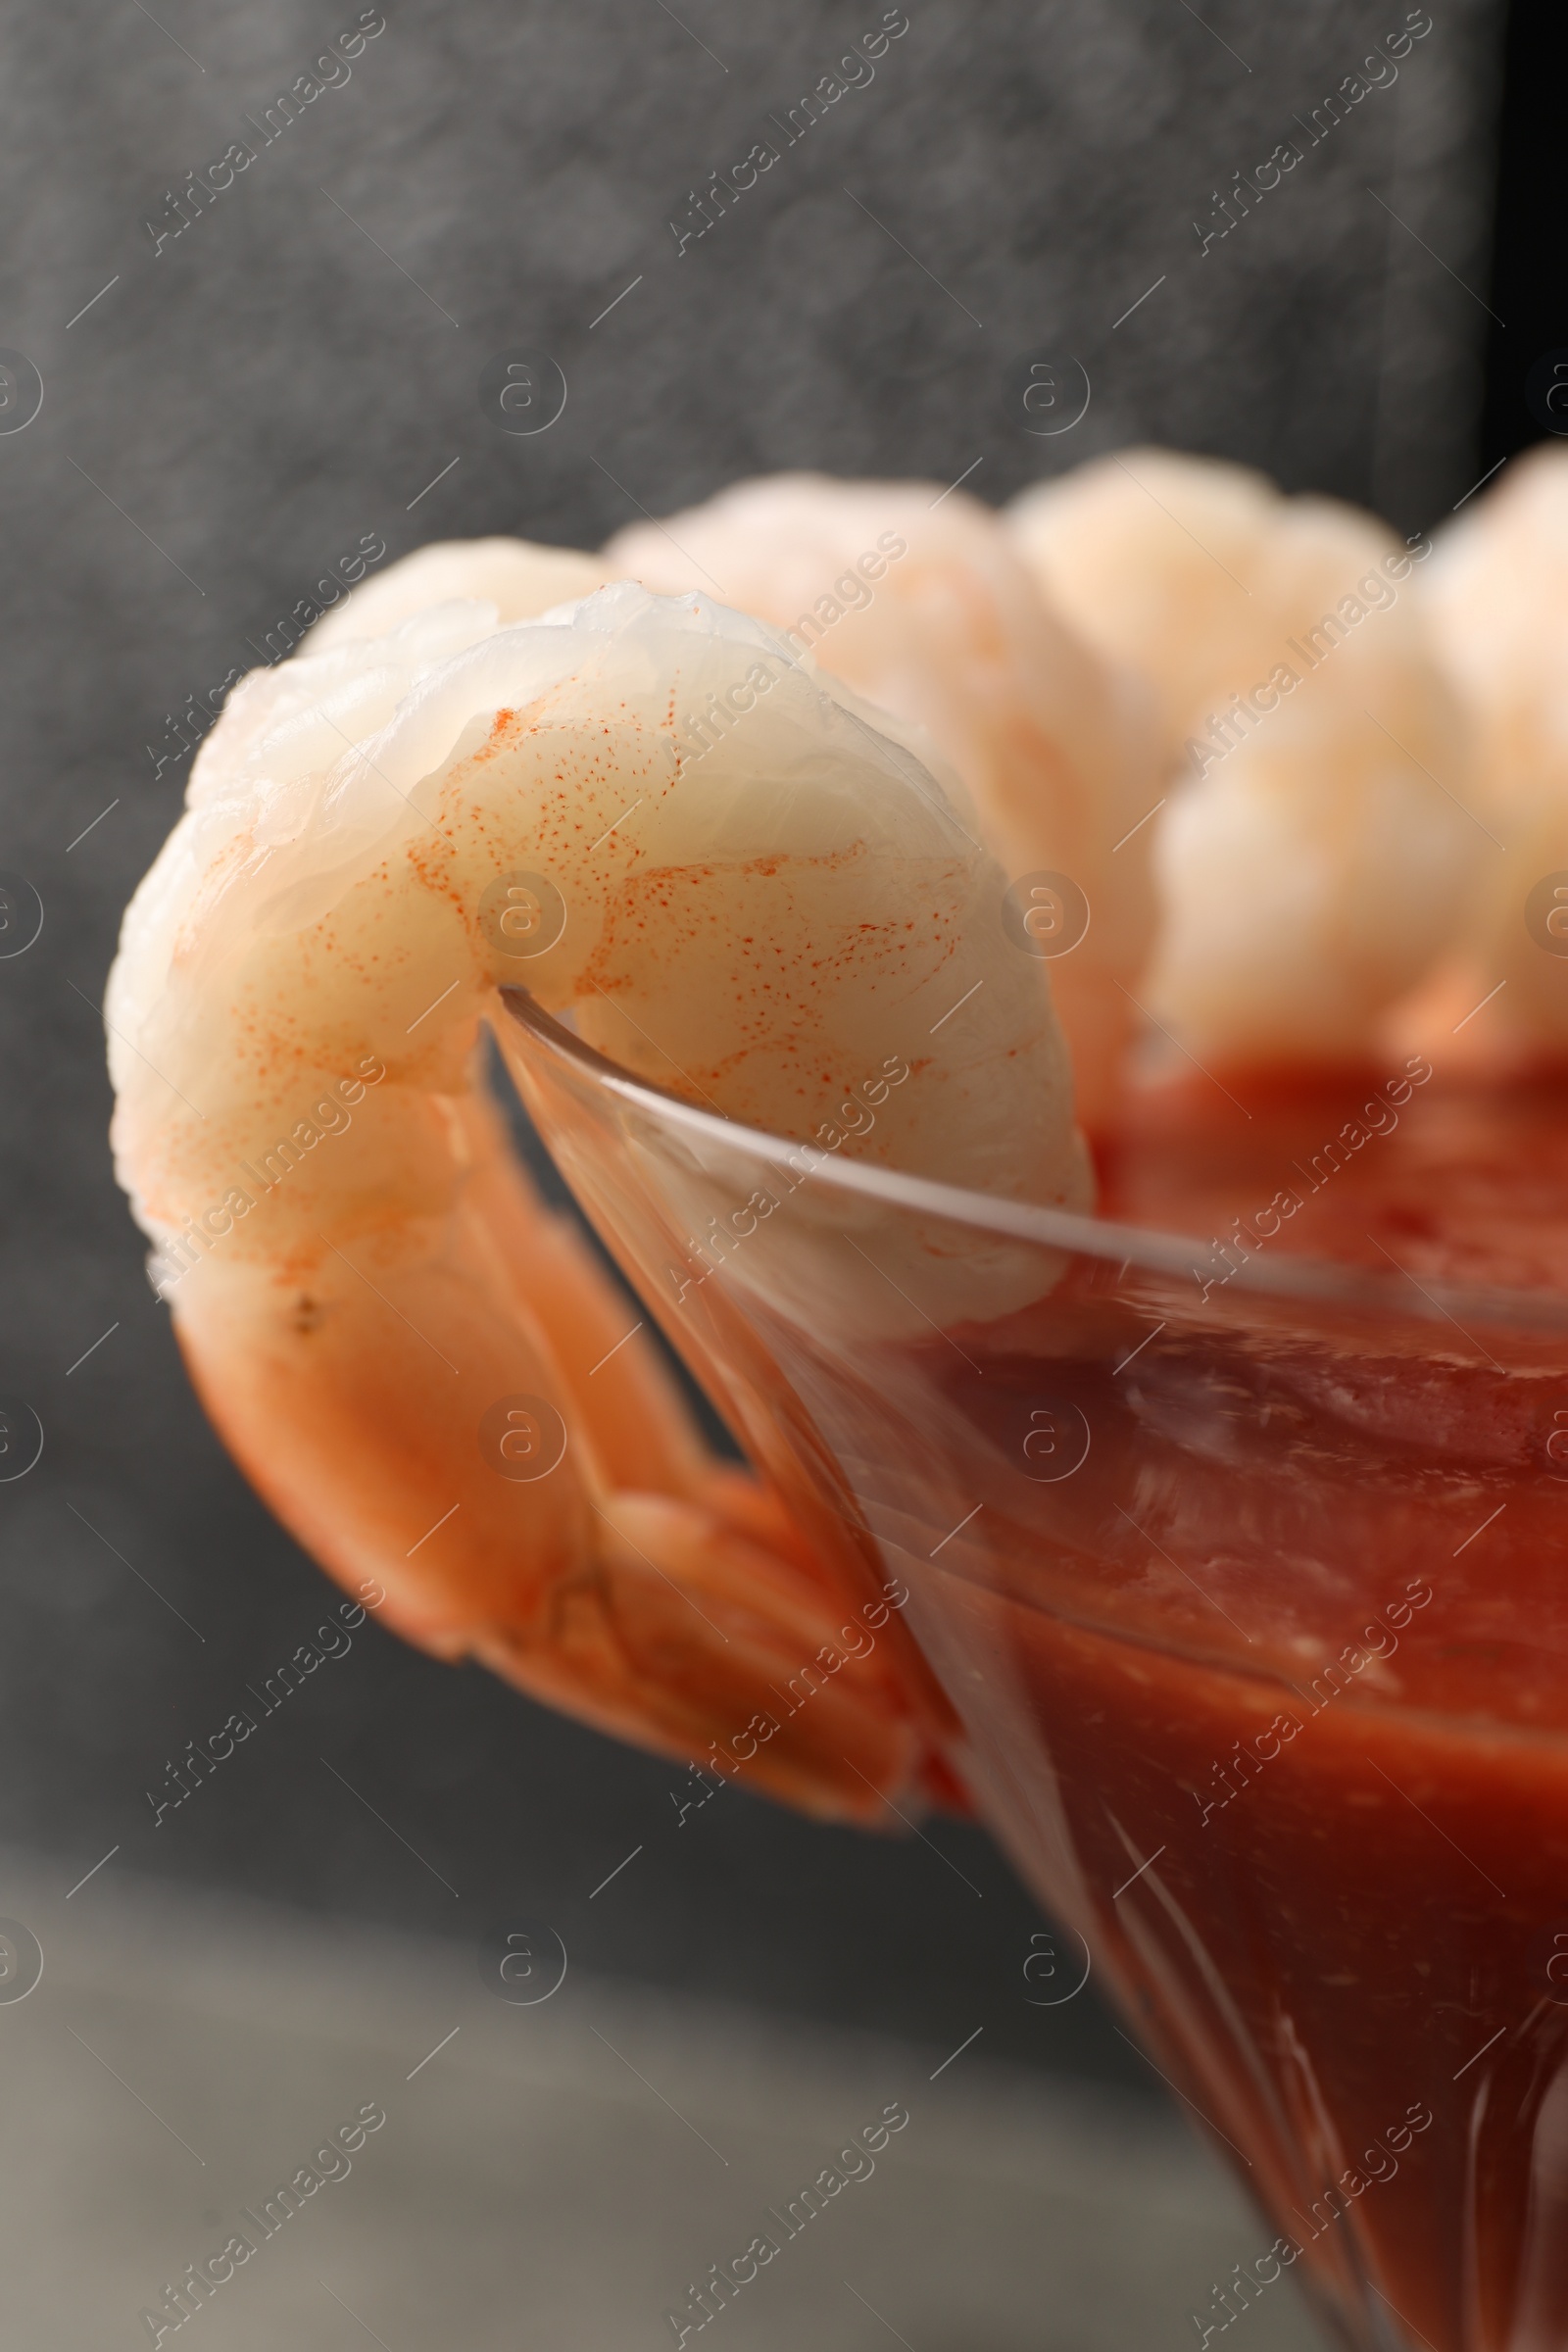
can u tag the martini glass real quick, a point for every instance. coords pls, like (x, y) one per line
(1246, 1579)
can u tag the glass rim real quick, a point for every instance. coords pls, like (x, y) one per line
(1302, 1280)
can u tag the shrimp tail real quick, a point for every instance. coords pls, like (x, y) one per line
(514, 1469)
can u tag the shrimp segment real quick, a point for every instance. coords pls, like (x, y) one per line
(1314, 856)
(519, 579)
(415, 1361)
(922, 604)
(920, 601)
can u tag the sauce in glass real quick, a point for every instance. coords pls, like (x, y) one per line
(1270, 1689)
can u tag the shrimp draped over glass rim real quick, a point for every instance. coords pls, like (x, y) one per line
(419, 1365)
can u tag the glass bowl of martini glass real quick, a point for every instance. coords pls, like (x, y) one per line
(1238, 1546)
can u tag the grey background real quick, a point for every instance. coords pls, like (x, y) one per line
(530, 2187)
(230, 416)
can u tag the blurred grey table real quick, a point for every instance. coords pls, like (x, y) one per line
(553, 2175)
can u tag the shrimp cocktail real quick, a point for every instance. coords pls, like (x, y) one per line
(1062, 1018)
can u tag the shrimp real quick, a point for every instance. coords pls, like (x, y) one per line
(519, 580)
(917, 600)
(1315, 856)
(414, 1361)
(1496, 591)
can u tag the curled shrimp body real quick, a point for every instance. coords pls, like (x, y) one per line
(1315, 856)
(414, 1361)
(920, 600)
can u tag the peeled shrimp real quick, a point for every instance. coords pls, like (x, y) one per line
(377, 1311)
(518, 578)
(1315, 856)
(1496, 591)
(919, 602)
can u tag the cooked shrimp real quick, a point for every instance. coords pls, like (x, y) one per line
(518, 578)
(919, 602)
(1498, 594)
(1315, 857)
(377, 1311)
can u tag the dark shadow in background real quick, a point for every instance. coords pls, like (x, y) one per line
(1528, 343)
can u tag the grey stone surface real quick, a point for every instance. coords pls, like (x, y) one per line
(556, 2175)
(226, 417)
